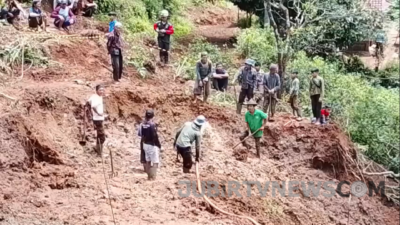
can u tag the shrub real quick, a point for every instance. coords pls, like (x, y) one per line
(258, 44)
(182, 27)
(369, 114)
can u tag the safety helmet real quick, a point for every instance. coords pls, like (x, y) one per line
(164, 13)
(249, 62)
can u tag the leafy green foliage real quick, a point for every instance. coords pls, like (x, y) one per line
(370, 114)
(394, 12)
(258, 44)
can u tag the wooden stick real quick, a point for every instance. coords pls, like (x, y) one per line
(6, 96)
(246, 138)
(22, 60)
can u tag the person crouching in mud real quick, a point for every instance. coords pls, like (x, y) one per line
(255, 120)
(150, 145)
(184, 139)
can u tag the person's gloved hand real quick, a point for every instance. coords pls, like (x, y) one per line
(162, 31)
(271, 91)
(205, 79)
(200, 84)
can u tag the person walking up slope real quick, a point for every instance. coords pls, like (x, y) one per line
(255, 120)
(150, 144)
(164, 30)
(317, 90)
(184, 138)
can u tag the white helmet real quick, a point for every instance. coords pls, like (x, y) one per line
(164, 13)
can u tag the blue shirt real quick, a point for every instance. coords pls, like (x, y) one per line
(112, 25)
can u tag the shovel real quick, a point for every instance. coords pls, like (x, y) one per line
(83, 140)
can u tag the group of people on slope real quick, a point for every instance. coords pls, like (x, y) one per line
(64, 13)
(150, 145)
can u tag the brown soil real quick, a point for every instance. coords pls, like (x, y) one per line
(48, 177)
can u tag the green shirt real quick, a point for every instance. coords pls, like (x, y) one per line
(317, 86)
(255, 121)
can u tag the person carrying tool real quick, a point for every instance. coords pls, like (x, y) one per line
(203, 75)
(220, 78)
(150, 144)
(114, 47)
(95, 103)
(317, 90)
(247, 77)
(272, 84)
(259, 90)
(63, 16)
(294, 96)
(184, 138)
(255, 120)
(164, 30)
(36, 16)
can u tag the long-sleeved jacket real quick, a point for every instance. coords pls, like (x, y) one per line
(203, 70)
(148, 133)
(188, 134)
(247, 78)
(295, 87)
(169, 30)
(317, 86)
(113, 42)
(272, 82)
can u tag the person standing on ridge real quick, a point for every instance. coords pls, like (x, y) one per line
(272, 84)
(150, 144)
(164, 30)
(114, 47)
(95, 103)
(247, 77)
(259, 90)
(294, 95)
(380, 42)
(317, 90)
(113, 21)
(203, 75)
(255, 120)
(184, 138)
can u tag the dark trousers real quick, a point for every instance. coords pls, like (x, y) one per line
(88, 11)
(186, 153)
(316, 106)
(35, 22)
(256, 139)
(101, 136)
(164, 49)
(270, 101)
(117, 65)
(249, 93)
(220, 84)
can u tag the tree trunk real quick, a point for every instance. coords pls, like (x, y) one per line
(266, 17)
(282, 62)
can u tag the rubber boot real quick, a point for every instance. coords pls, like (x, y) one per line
(239, 108)
(145, 167)
(258, 149)
(162, 58)
(166, 58)
(186, 170)
(99, 148)
(152, 172)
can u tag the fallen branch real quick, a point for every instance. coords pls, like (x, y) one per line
(9, 97)
(216, 207)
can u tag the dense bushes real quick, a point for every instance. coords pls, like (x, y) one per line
(367, 111)
(369, 114)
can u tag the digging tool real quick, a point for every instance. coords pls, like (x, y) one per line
(113, 173)
(83, 140)
(246, 138)
(215, 206)
(234, 89)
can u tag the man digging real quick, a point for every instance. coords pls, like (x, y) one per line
(272, 85)
(184, 138)
(255, 120)
(95, 103)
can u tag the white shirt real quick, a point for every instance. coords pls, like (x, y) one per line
(96, 102)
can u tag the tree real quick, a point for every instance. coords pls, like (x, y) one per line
(317, 26)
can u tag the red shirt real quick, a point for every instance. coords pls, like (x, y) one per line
(324, 113)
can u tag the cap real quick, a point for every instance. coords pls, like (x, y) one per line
(249, 62)
(251, 102)
(200, 120)
(118, 24)
(257, 64)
